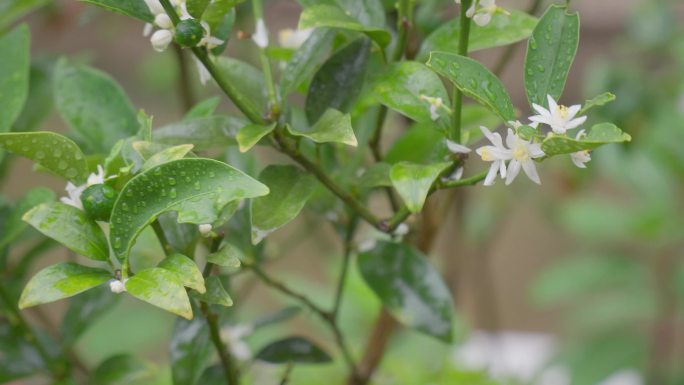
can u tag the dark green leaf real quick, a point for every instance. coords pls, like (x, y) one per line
(40, 100)
(333, 126)
(420, 144)
(376, 175)
(20, 358)
(84, 310)
(305, 60)
(203, 133)
(14, 74)
(60, 281)
(409, 287)
(186, 269)
(414, 181)
(133, 8)
(190, 350)
(215, 294)
(161, 288)
(598, 135)
(325, 15)
(246, 78)
(222, 31)
(15, 225)
(293, 349)
(122, 369)
(251, 134)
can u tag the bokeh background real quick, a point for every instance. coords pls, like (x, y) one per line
(578, 281)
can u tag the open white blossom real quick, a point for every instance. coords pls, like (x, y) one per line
(436, 103)
(208, 40)
(116, 286)
(293, 38)
(560, 118)
(260, 36)
(74, 192)
(495, 153)
(234, 336)
(523, 152)
(579, 158)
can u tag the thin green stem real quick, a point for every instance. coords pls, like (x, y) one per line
(161, 236)
(274, 107)
(348, 246)
(463, 38)
(184, 85)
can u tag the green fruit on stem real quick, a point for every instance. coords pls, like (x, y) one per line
(189, 33)
(98, 201)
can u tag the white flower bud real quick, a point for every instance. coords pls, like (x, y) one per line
(205, 229)
(402, 229)
(260, 36)
(163, 20)
(161, 39)
(116, 286)
(154, 6)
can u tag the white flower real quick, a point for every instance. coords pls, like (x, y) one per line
(435, 105)
(293, 38)
(495, 153)
(456, 175)
(260, 36)
(624, 377)
(161, 39)
(208, 40)
(116, 286)
(205, 229)
(74, 192)
(457, 148)
(234, 335)
(523, 153)
(579, 158)
(147, 30)
(560, 118)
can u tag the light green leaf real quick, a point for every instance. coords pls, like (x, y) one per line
(293, 350)
(203, 133)
(94, 106)
(401, 86)
(305, 60)
(376, 175)
(600, 100)
(203, 109)
(169, 185)
(52, 151)
(220, 15)
(502, 30)
(333, 126)
(598, 135)
(167, 155)
(290, 189)
(227, 256)
(326, 15)
(186, 269)
(190, 350)
(70, 227)
(60, 281)
(419, 144)
(550, 53)
(205, 210)
(215, 294)
(251, 134)
(339, 80)
(245, 78)
(122, 369)
(12, 10)
(475, 81)
(83, 311)
(14, 224)
(133, 8)
(161, 288)
(14, 74)
(414, 181)
(409, 288)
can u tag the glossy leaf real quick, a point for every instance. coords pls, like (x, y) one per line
(70, 227)
(206, 209)
(600, 100)
(409, 288)
(14, 225)
(186, 269)
(501, 31)
(121, 369)
(550, 53)
(60, 281)
(293, 350)
(190, 350)
(401, 86)
(290, 188)
(161, 288)
(475, 81)
(215, 294)
(14, 74)
(251, 134)
(94, 106)
(339, 80)
(598, 135)
(326, 15)
(414, 181)
(305, 60)
(227, 256)
(84, 310)
(247, 79)
(203, 109)
(169, 185)
(133, 8)
(167, 155)
(333, 126)
(203, 133)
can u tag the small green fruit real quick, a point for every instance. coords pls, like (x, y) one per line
(98, 201)
(189, 33)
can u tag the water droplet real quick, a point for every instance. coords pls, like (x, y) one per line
(78, 156)
(533, 44)
(40, 155)
(57, 153)
(62, 165)
(71, 173)
(117, 242)
(172, 181)
(124, 206)
(197, 185)
(172, 193)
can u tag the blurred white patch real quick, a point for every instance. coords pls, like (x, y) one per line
(624, 377)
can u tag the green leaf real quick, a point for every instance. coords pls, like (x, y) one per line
(501, 31)
(475, 81)
(60, 281)
(222, 31)
(20, 358)
(251, 134)
(598, 135)
(227, 256)
(203, 109)
(550, 53)
(333, 126)
(197, 7)
(245, 78)
(204, 210)
(167, 155)
(339, 80)
(305, 60)
(161, 288)
(600, 100)
(12, 10)
(94, 106)
(70, 227)
(50, 150)
(133, 8)
(401, 86)
(419, 144)
(216, 11)
(169, 185)
(203, 133)
(215, 294)
(122, 369)
(190, 350)
(40, 100)
(14, 224)
(326, 15)
(14, 74)
(376, 175)
(84, 310)
(414, 181)
(290, 189)
(293, 350)
(409, 288)
(186, 269)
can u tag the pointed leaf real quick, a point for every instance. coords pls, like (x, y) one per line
(203, 109)
(475, 81)
(293, 350)
(52, 151)
(215, 294)
(305, 60)
(186, 269)
(333, 126)
(414, 181)
(190, 350)
(247, 79)
(227, 256)
(169, 185)
(133, 8)
(167, 155)
(60, 281)
(290, 189)
(598, 135)
(84, 310)
(70, 227)
(409, 287)
(326, 15)
(550, 53)
(14, 74)
(122, 369)
(203, 133)
(161, 288)
(14, 224)
(251, 134)
(600, 100)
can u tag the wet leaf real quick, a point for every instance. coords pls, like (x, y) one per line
(190, 350)
(203, 133)
(333, 126)
(133, 8)
(598, 135)
(60, 281)
(293, 349)
(215, 294)
(122, 369)
(186, 269)
(167, 155)
(251, 134)
(332, 16)
(161, 288)
(414, 181)
(14, 74)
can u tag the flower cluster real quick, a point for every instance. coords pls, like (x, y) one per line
(481, 11)
(164, 35)
(74, 192)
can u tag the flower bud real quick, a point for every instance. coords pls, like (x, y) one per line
(163, 21)
(205, 229)
(116, 286)
(161, 39)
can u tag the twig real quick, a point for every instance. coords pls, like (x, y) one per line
(184, 84)
(463, 39)
(348, 240)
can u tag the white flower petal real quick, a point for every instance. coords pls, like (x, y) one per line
(491, 175)
(260, 36)
(513, 171)
(575, 123)
(161, 39)
(531, 171)
(482, 18)
(457, 148)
